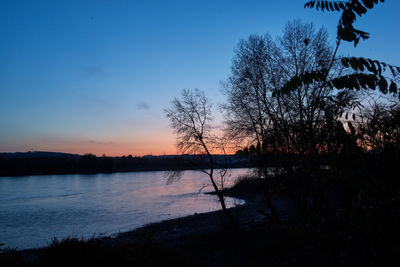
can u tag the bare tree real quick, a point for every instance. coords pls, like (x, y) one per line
(257, 110)
(378, 125)
(191, 119)
(265, 108)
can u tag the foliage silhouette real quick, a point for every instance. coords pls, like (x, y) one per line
(346, 32)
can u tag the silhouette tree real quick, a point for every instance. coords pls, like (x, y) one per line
(191, 119)
(282, 122)
(379, 127)
(260, 107)
(364, 72)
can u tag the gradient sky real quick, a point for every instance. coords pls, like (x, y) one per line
(94, 76)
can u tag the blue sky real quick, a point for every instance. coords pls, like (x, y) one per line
(94, 76)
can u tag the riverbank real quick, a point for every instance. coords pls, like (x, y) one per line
(308, 239)
(201, 236)
(246, 215)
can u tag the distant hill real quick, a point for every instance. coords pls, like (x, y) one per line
(36, 154)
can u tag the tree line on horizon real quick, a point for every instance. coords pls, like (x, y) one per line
(91, 164)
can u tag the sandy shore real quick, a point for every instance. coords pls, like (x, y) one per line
(168, 231)
(197, 224)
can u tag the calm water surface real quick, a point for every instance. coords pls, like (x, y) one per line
(35, 209)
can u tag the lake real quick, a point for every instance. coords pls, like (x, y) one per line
(35, 209)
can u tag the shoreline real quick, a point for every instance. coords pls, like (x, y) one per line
(183, 241)
(196, 223)
(199, 223)
(169, 230)
(204, 239)
(246, 214)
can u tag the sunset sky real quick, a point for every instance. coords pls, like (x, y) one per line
(94, 76)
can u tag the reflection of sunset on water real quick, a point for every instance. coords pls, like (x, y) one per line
(83, 205)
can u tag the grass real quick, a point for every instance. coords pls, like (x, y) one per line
(93, 252)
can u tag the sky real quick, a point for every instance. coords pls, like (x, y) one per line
(81, 76)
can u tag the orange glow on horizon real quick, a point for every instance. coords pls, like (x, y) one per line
(161, 142)
(118, 149)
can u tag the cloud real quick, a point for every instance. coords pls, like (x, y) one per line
(96, 142)
(143, 106)
(93, 71)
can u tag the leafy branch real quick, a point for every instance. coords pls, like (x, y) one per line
(359, 7)
(373, 80)
(349, 10)
(367, 64)
(355, 81)
(303, 79)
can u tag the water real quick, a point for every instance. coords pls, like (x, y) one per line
(35, 209)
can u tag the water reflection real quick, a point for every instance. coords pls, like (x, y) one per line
(34, 209)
